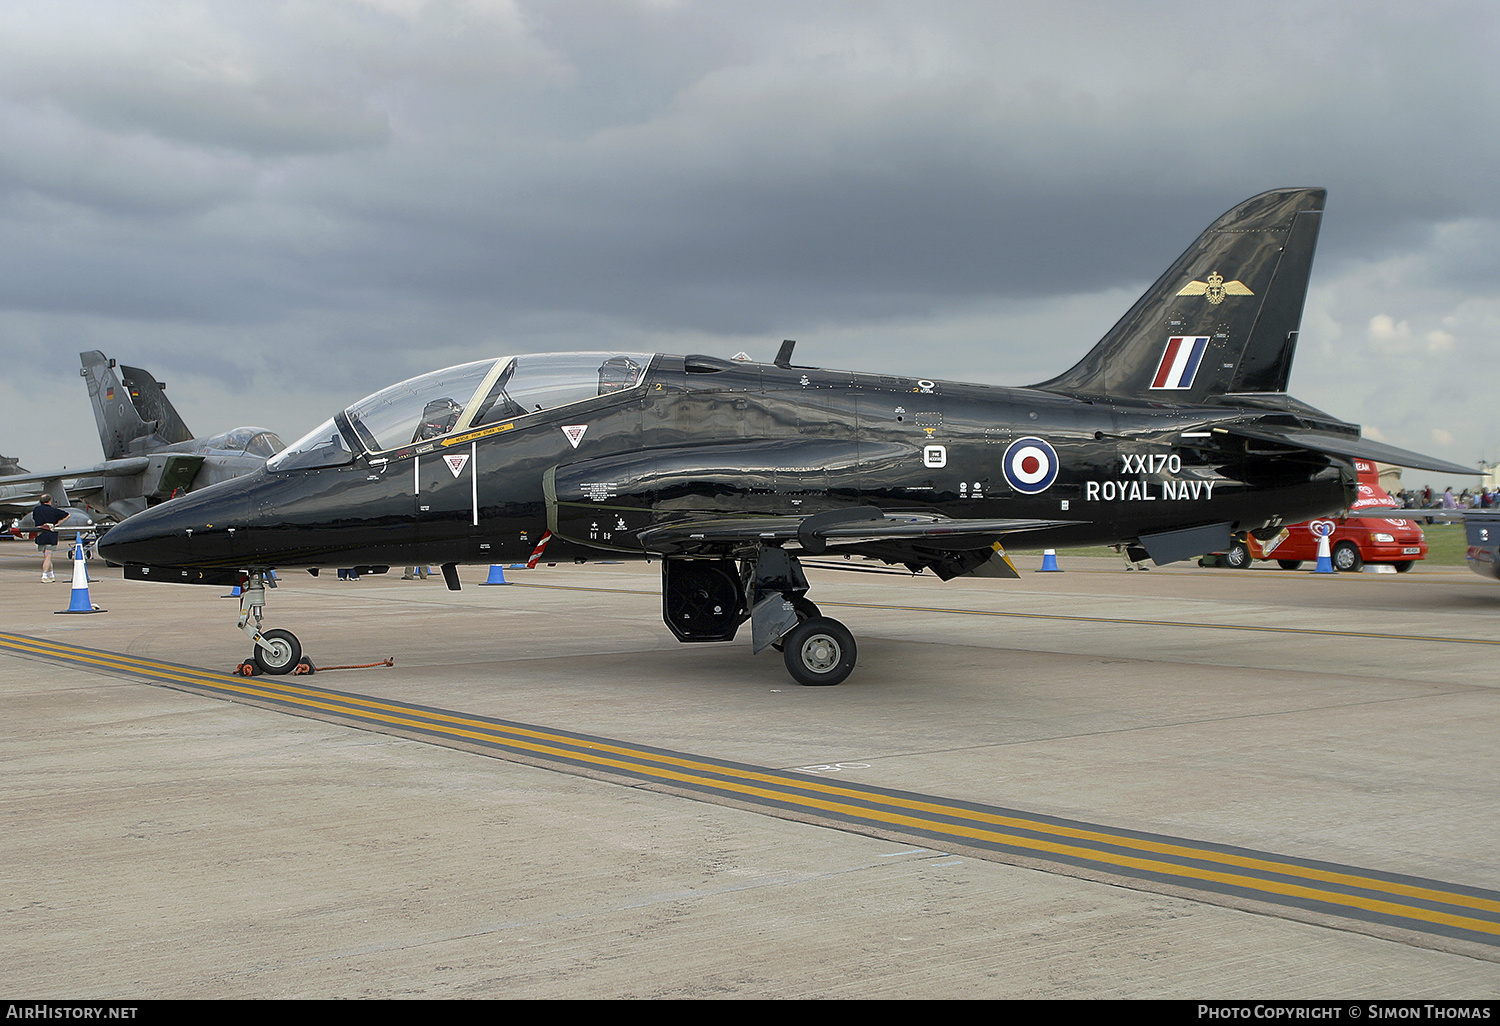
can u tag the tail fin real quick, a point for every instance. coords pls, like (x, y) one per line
(1222, 319)
(130, 407)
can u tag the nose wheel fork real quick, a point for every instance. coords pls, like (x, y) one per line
(276, 651)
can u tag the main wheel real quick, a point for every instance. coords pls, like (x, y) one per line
(1237, 556)
(1346, 558)
(1404, 566)
(1289, 564)
(819, 652)
(281, 656)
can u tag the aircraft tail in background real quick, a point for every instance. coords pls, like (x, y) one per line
(131, 408)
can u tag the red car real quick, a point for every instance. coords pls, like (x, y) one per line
(1353, 543)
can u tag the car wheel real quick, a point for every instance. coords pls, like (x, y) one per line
(1403, 566)
(1237, 556)
(1346, 558)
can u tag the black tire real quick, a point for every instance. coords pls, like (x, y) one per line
(283, 654)
(1404, 566)
(819, 652)
(1289, 564)
(1237, 556)
(805, 608)
(1346, 558)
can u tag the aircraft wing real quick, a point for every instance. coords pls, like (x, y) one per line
(109, 468)
(861, 525)
(947, 546)
(78, 522)
(19, 493)
(682, 502)
(1335, 444)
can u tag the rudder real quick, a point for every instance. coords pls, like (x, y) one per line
(130, 407)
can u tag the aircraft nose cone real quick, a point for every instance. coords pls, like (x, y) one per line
(154, 537)
(193, 530)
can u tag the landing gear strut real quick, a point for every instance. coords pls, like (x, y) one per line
(276, 651)
(709, 599)
(818, 650)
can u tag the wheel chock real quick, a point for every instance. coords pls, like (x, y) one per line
(247, 668)
(304, 667)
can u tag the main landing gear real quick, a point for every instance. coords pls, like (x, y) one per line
(708, 599)
(276, 651)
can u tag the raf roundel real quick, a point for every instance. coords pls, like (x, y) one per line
(1030, 465)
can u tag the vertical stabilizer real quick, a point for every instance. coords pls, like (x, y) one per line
(1223, 318)
(130, 407)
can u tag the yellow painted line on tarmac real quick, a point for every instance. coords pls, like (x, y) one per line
(1161, 858)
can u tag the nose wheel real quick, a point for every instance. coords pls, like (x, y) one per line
(276, 651)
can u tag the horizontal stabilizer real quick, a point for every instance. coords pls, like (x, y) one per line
(1447, 516)
(1347, 446)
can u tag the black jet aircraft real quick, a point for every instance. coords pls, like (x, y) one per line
(1173, 435)
(149, 453)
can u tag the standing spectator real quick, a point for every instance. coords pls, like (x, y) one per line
(46, 517)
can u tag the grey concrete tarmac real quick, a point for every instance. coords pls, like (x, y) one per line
(158, 844)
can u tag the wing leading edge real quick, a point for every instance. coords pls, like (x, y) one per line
(712, 534)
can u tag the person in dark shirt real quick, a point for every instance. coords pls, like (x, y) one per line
(46, 517)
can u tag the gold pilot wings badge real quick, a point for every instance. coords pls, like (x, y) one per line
(1215, 289)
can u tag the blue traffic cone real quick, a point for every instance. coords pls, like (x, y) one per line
(80, 603)
(497, 575)
(1325, 558)
(1049, 562)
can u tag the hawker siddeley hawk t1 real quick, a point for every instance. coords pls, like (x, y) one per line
(1173, 435)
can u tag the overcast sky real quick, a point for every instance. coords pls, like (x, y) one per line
(279, 208)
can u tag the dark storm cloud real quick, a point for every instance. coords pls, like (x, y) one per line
(386, 184)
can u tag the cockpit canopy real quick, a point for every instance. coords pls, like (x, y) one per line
(252, 441)
(460, 398)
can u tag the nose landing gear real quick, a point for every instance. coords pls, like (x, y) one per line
(276, 651)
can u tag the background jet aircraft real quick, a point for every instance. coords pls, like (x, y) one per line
(1172, 436)
(149, 454)
(17, 501)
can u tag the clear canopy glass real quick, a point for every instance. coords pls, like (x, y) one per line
(252, 441)
(459, 398)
